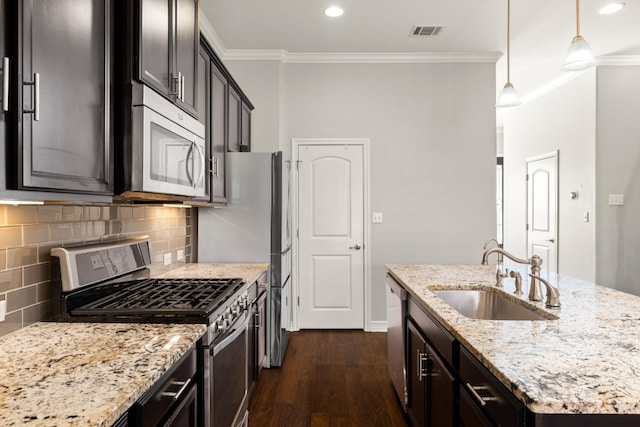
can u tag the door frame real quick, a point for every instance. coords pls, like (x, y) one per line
(296, 143)
(556, 156)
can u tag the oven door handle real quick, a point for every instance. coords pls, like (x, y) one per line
(235, 334)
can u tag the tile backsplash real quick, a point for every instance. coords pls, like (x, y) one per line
(27, 234)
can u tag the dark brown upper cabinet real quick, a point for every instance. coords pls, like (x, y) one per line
(239, 122)
(58, 120)
(213, 113)
(168, 46)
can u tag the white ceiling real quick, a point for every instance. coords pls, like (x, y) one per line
(541, 30)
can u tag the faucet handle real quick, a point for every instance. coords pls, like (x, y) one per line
(553, 295)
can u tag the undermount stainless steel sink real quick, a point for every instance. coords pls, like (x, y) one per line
(488, 305)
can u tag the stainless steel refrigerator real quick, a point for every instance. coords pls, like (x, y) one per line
(255, 227)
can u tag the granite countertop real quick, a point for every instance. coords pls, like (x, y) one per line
(84, 374)
(246, 271)
(586, 361)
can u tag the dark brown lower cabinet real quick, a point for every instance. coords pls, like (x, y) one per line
(431, 386)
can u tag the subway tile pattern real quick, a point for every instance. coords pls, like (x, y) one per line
(27, 234)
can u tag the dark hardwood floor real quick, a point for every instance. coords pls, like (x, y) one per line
(328, 378)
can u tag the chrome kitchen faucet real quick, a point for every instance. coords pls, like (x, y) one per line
(535, 292)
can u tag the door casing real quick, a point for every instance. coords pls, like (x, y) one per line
(295, 291)
(552, 156)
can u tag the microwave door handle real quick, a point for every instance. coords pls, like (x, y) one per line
(186, 164)
(202, 164)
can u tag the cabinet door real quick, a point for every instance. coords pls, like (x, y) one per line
(218, 124)
(235, 133)
(441, 392)
(252, 351)
(155, 45)
(245, 125)
(65, 128)
(416, 375)
(203, 106)
(262, 331)
(187, 42)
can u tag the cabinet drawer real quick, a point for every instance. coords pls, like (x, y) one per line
(487, 392)
(439, 338)
(470, 414)
(167, 392)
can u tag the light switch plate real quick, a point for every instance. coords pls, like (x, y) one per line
(377, 217)
(3, 309)
(616, 199)
(180, 255)
(167, 258)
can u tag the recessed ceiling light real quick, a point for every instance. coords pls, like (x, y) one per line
(610, 8)
(333, 11)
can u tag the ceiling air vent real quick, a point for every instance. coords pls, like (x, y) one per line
(425, 31)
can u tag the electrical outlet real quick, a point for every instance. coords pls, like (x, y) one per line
(377, 217)
(3, 309)
(180, 255)
(167, 258)
(616, 199)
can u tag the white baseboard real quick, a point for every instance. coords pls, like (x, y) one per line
(378, 326)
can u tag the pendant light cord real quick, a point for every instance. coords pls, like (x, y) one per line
(508, 40)
(577, 17)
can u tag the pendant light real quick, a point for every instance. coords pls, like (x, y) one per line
(579, 56)
(508, 97)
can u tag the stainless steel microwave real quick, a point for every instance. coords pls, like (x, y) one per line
(167, 157)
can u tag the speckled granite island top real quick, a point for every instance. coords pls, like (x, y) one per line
(84, 374)
(246, 271)
(587, 361)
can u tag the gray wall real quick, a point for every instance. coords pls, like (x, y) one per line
(562, 120)
(618, 172)
(594, 121)
(432, 133)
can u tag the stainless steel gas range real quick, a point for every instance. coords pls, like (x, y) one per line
(109, 282)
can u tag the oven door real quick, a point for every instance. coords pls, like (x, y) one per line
(229, 376)
(173, 157)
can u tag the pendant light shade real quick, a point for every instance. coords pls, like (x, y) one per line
(579, 56)
(508, 97)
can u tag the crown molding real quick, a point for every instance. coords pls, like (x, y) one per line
(360, 58)
(255, 55)
(619, 60)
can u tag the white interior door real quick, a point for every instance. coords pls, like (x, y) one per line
(330, 236)
(542, 210)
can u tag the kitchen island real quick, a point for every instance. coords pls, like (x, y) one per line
(587, 361)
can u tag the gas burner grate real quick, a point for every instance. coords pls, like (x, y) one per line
(161, 297)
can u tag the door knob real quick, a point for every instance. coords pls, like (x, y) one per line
(356, 247)
(551, 240)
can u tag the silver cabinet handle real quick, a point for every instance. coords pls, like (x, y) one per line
(5, 84)
(422, 372)
(176, 395)
(175, 84)
(215, 167)
(182, 78)
(483, 400)
(357, 247)
(551, 240)
(36, 96)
